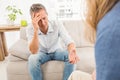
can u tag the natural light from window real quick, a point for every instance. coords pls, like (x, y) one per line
(57, 10)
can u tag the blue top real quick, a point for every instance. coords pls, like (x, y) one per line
(107, 47)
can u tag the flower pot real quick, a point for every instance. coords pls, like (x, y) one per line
(10, 22)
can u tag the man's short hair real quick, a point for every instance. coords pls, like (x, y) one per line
(36, 8)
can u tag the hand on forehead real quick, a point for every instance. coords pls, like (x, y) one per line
(37, 14)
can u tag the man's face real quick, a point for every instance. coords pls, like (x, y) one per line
(43, 22)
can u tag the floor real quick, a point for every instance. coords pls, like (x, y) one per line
(3, 65)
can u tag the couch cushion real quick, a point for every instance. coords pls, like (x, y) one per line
(86, 63)
(14, 58)
(52, 70)
(20, 49)
(19, 68)
(48, 67)
(18, 77)
(23, 33)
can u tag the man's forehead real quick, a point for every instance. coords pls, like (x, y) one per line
(41, 12)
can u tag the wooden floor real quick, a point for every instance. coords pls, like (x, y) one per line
(3, 65)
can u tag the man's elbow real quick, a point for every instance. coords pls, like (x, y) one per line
(33, 51)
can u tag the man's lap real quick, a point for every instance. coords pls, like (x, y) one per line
(44, 57)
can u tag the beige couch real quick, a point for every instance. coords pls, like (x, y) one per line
(17, 68)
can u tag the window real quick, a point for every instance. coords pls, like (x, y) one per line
(57, 10)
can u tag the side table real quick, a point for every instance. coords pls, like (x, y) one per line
(3, 46)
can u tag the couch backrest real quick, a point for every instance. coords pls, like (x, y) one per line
(23, 33)
(76, 30)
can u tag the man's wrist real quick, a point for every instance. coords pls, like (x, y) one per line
(35, 33)
(71, 47)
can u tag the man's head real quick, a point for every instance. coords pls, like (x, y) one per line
(36, 8)
(40, 11)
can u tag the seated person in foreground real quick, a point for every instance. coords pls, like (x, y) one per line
(44, 43)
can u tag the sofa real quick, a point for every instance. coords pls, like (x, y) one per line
(17, 67)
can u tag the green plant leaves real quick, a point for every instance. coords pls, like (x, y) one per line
(20, 12)
(9, 8)
(13, 12)
(12, 17)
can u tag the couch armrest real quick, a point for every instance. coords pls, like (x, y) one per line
(20, 49)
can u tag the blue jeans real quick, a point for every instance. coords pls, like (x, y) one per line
(36, 60)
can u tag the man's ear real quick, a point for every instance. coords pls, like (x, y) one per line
(32, 15)
(46, 12)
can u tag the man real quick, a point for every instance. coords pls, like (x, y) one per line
(43, 37)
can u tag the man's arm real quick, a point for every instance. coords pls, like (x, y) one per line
(34, 43)
(73, 58)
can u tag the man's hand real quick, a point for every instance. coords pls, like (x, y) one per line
(73, 58)
(34, 44)
(35, 20)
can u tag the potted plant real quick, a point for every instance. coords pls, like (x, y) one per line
(13, 12)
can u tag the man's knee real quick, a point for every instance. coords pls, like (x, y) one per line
(66, 56)
(33, 60)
